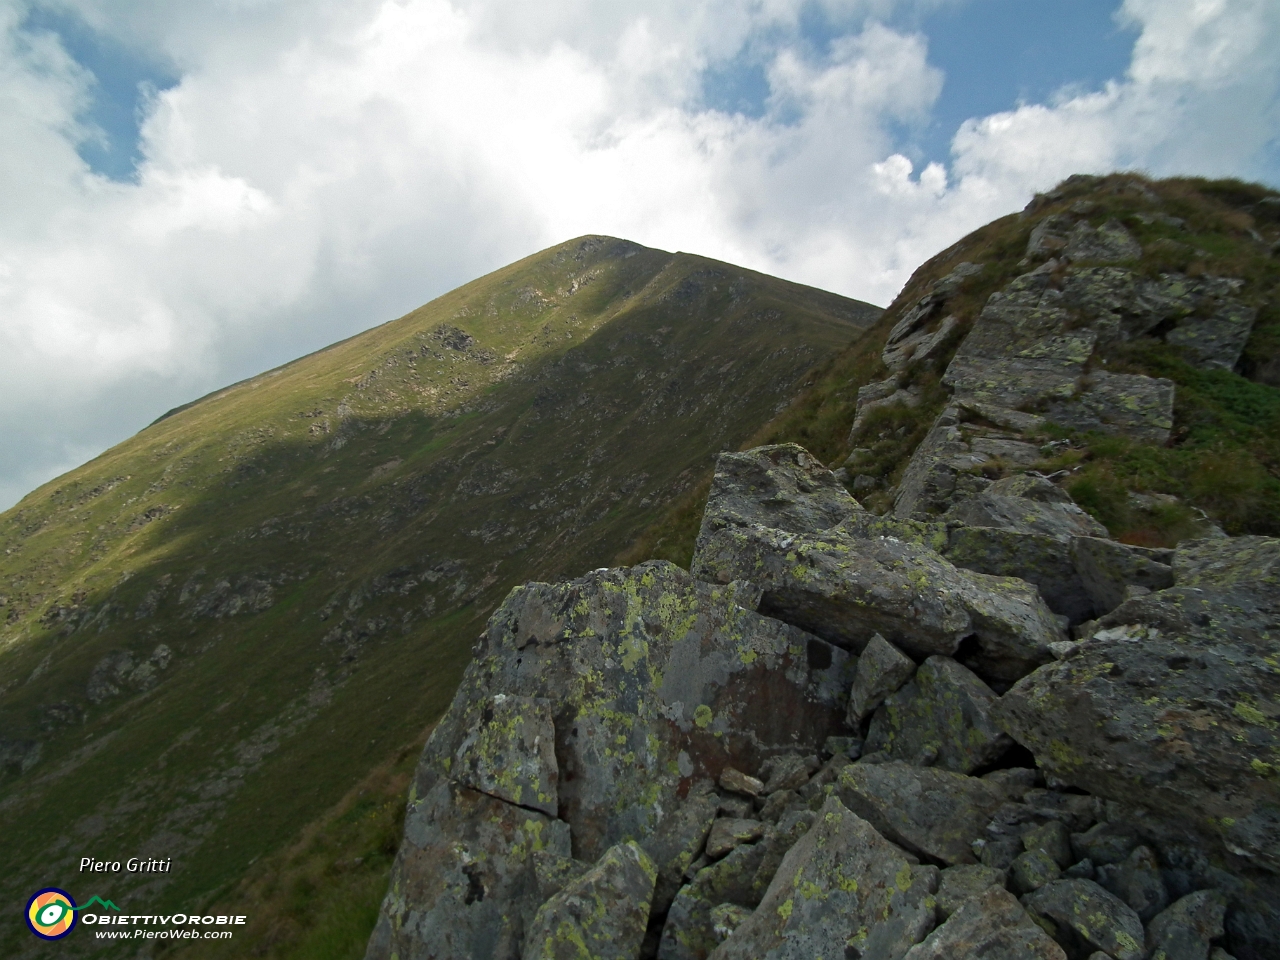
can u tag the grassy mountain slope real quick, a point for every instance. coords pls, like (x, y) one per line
(212, 632)
(1221, 416)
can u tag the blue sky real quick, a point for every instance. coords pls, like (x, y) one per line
(196, 192)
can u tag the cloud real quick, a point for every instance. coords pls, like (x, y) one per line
(325, 165)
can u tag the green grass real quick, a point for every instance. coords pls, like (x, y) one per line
(388, 491)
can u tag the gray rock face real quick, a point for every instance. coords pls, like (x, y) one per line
(852, 589)
(462, 880)
(1183, 931)
(1171, 705)
(1023, 349)
(1107, 568)
(923, 328)
(881, 670)
(842, 885)
(942, 715)
(509, 752)
(933, 813)
(781, 486)
(602, 914)
(1085, 914)
(992, 925)
(1109, 243)
(655, 683)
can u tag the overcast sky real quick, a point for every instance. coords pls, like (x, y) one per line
(192, 192)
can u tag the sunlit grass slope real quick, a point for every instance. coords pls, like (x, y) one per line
(213, 632)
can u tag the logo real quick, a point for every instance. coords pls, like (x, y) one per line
(51, 913)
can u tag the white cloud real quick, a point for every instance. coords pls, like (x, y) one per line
(325, 165)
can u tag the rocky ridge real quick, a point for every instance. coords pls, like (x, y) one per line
(995, 731)
(835, 737)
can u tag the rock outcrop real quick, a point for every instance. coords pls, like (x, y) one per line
(837, 738)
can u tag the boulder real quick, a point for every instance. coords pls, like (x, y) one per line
(1040, 559)
(991, 925)
(728, 833)
(654, 683)
(1172, 704)
(1054, 839)
(848, 590)
(781, 486)
(841, 886)
(1032, 870)
(1025, 504)
(881, 670)
(790, 771)
(603, 913)
(735, 781)
(1106, 568)
(677, 842)
(960, 883)
(689, 931)
(933, 813)
(1185, 929)
(941, 715)
(1089, 918)
(1137, 881)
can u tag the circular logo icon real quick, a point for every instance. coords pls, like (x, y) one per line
(51, 913)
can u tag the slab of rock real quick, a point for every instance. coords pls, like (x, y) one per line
(781, 486)
(735, 781)
(841, 886)
(1037, 558)
(943, 715)
(1214, 330)
(881, 670)
(1185, 929)
(991, 925)
(1026, 504)
(934, 813)
(728, 833)
(509, 752)
(1086, 914)
(940, 469)
(1172, 704)
(689, 931)
(847, 590)
(790, 771)
(1126, 404)
(603, 913)
(461, 881)
(1106, 568)
(960, 883)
